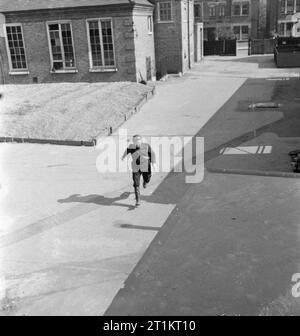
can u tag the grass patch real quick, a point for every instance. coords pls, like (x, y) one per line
(66, 111)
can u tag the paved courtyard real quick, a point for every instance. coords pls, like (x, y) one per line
(71, 242)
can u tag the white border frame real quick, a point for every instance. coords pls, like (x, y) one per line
(64, 70)
(158, 11)
(12, 71)
(104, 68)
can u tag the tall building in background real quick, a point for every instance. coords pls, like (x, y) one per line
(233, 19)
(288, 18)
(226, 18)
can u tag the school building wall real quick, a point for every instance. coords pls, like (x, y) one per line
(144, 45)
(37, 48)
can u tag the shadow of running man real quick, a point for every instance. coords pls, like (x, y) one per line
(99, 200)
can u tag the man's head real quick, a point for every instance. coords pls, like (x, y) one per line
(137, 140)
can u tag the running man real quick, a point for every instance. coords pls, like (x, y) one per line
(142, 158)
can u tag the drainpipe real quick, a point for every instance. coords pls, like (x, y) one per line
(2, 69)
(189, 45)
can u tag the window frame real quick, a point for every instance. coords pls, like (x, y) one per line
(240, 26)
(64, 69)
(242, 8)
(199, 10)
(222, 10)
(241, 5)
(150, 26)
(283, 6)
(293, 6)
(158, 12)
(236, 4)
(213, 12)
(103, 68)
(12, 71)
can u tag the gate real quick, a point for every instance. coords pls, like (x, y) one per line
(220, 48)
(263, 46)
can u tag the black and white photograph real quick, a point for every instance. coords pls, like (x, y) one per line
(149, 161)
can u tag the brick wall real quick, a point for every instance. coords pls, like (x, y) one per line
(171, 39)
(37, 49)
(144, 44)
(168, 46)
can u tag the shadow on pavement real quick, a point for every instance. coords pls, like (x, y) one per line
(271, 133)
(263, 62)
(231, 244)
(231, 126)
(98, 200)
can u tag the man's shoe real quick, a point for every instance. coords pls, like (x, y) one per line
(138, 203)
(145, 185)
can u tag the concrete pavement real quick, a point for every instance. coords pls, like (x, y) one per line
(231, 245)
(69, 235)
(70, 239)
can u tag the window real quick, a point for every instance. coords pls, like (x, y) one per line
(289, 27)
(237, 32)
(245, 33)
(222, 10)
(282, 6)
(237, 10)
(101, 44)
(245, 9)
(150, 24)
(212, 11)
(61, 46)
(165, 11)
(198, 10)
(16, 47)
(290, 6)
(241, 32)
(241, 9)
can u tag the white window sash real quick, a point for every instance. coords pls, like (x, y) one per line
(150, 24)
(241, 4)
(59, 23)
(12, 70)
(171, 9)
(99, 20)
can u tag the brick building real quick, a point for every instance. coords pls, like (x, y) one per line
(240, 19)
(174, 35)
(288, 17)
(72, 41)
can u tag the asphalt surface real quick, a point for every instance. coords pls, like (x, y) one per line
(71, 242)
(231, 246)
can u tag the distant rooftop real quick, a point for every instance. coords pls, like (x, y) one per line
(24, 5)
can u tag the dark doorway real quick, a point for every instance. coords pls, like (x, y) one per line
(149, 68)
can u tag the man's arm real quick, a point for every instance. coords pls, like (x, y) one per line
(125, 154)
(152, 157)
